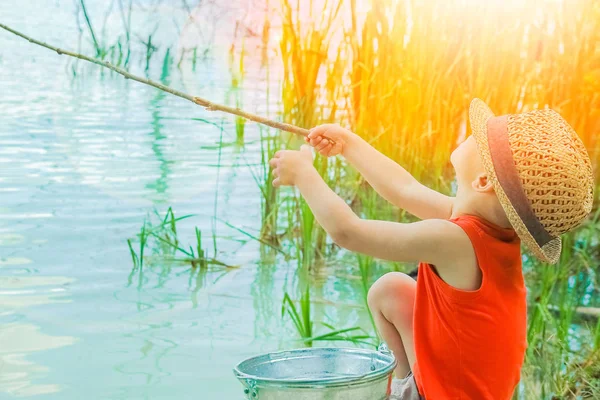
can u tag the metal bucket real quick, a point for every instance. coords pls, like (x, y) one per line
(318, 374)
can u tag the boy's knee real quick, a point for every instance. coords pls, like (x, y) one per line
(394, 288)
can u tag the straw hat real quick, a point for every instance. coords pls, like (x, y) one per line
(540, 170)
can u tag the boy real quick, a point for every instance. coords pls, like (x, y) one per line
(459, 332)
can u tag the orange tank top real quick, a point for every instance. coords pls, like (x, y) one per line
(471, 344)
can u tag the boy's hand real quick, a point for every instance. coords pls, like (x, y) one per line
(328, 139)
(288, 165)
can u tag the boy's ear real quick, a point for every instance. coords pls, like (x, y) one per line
(482, 184)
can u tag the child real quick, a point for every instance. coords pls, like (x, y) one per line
(459, 332)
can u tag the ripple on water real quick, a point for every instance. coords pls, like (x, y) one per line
(17, 341)
(17, 292)
(12, 261)
(11, 239)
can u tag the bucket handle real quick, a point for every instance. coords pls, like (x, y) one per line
(251, 391)
(383, 348)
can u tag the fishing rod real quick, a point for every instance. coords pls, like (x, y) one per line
(208, 105)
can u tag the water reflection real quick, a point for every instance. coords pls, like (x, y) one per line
(17, 375)
(264, 295)
(17, 292)
(20, 341)
(91, 158)
(160, 185)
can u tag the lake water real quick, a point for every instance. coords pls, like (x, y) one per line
(83, 160)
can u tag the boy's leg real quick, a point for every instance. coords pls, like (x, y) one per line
(391, 300)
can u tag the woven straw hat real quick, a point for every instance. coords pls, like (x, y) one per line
(541, 173)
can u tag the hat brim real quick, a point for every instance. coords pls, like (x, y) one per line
(479, 115)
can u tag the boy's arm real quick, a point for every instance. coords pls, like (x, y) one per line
(434, 241)
(386, 176)
(394, 183)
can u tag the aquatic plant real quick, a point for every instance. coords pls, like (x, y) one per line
(302, 321)
(126, 18)
(99, 50)
(237, 71)
(138, 259)
(304, 47)
(166, 245)
(270, 143)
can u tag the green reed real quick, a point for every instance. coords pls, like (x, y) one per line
(302, 320)
(166, 65)
(563, 352)
(237, 71)
(126, 19)
(150, 49)
(269, 145)
(307, 233)
(138, 259)
(304, 46)
(99, 50)
(164, 241)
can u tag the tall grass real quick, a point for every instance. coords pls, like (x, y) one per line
(563, 352)
(119, 48)
(410, 69)
(304, 48)
(237, 71)
(126, 19)
(401, 74)
(88, 23)
(269, 144)
(305, 326)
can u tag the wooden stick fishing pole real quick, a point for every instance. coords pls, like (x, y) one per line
(209, 105)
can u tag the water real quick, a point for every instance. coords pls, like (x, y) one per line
(82, 161)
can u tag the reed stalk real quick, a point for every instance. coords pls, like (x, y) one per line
(99, 51)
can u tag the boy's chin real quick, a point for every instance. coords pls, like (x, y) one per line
(456, 170)
(454, 159)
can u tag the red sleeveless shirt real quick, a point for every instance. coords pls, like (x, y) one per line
(471, 344)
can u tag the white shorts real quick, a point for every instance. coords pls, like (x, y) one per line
(405, 389)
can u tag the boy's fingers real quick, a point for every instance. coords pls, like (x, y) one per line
(276, 182)
(278, 154)
(276, 172)
(327, 132)
(316, 131)
(337, 148)
(273, 162)
(326, 150)
(324, 143)
(315, 141)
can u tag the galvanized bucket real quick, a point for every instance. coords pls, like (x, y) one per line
(318, 374)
